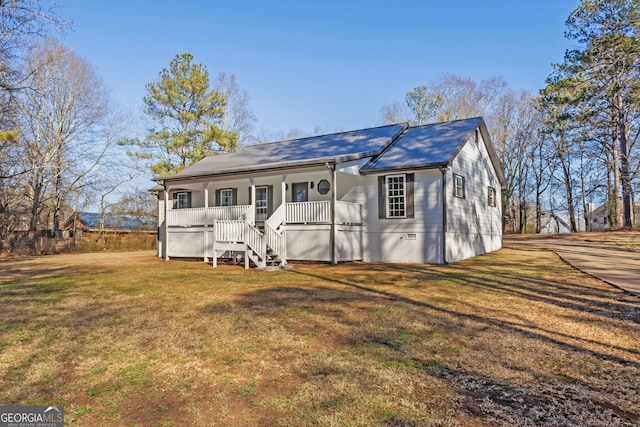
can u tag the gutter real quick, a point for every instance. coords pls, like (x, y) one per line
(276, 168)
(403, 168)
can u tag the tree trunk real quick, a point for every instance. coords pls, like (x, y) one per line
(35, 204)
(624, 164)
(538, 213)
(614, 202)
(569, 190)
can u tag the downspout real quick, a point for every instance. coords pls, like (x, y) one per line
(332, 236)
(443, 170)
(165, 244)
(206, 216)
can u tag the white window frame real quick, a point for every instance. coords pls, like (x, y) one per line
(396, 204)
(226, 197)
(458, 189)
(262, 205)
(182, 200)
(491, 196)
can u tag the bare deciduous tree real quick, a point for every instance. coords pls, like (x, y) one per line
(237, 117)
(66, 129)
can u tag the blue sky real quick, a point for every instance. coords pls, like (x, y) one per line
(319, 63)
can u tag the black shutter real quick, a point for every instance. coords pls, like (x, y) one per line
(250, 198)
(189, 199)
(410, 202)
(382, 197)
(464, 189)
(217, 201)
(174, 196)
(269, 200)
(234, 196)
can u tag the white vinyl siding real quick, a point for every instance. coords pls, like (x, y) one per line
(473, 227)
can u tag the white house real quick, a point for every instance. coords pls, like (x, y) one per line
(422, 194)
(599, 217)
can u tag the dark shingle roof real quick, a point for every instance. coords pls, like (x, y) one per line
(424, 146)
(392, 147)
(337, 147)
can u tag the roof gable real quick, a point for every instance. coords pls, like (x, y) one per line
(338, 147)
(425, 146)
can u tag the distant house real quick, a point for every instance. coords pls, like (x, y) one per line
(599, 217)
(90, 221)
(556, 224)
(396, 193)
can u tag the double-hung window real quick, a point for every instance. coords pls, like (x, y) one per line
(458, 186)
(262, 203)
(491, 196)
(226, 197)
(183, 200)
(396, 196)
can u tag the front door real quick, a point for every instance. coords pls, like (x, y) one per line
(300, 192)
(262, 203)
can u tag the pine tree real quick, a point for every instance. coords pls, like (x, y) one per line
(187, 113)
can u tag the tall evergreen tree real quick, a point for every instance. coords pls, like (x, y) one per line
(187, 116)
(598, 84)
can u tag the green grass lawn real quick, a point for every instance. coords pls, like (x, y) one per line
(515, 337)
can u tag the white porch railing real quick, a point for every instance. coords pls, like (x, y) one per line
(277, 242)
(205, 216)
(293, 213)
(186, 217)
(348, 213)
(256, 242)
(275, 236)
(227, 212)
(279, 216)
(308, 212)
(250, 215)
(229, 231)
(320, 212)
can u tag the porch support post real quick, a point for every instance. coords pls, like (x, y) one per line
(206, 232)
(284, 189)
(165, 244)
(253, 198)
(334, 196)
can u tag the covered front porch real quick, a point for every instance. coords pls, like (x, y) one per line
(265, 220)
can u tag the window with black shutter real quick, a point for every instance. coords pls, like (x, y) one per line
(395, 196)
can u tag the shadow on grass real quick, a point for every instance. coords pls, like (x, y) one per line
(380, 310)
(484, 396)
(500, 324)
